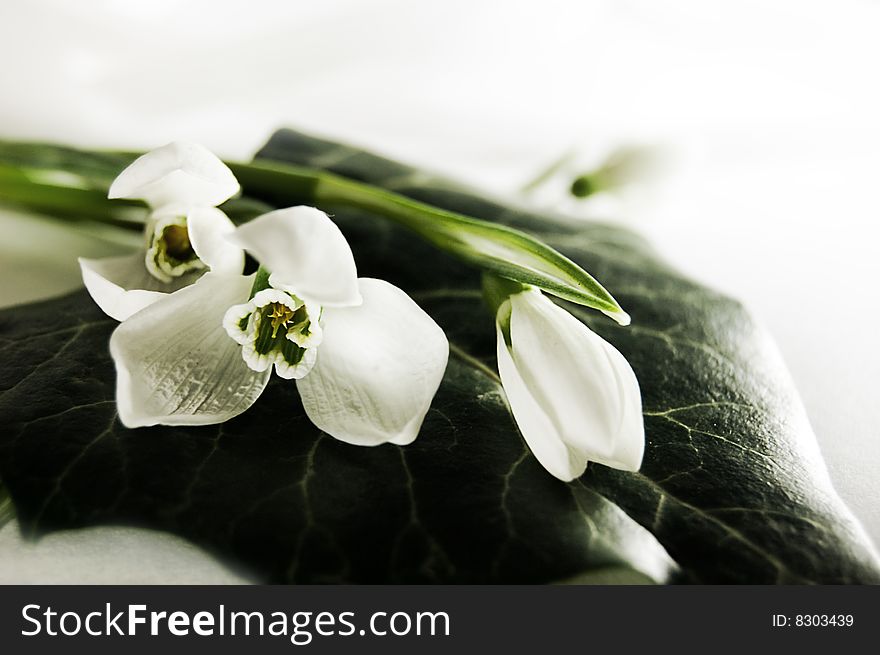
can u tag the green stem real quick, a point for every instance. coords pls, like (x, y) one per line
(72, 203)
(548, 173)
(491, 246)
(33, 176)
(462, 354)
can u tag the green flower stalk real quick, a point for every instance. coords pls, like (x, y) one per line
(26, 179)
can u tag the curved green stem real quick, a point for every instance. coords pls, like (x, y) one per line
(33, 176)
(503, 250)
(72, 203)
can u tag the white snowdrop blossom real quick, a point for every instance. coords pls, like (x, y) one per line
(367, 360)
(575, 398)
(185, 234)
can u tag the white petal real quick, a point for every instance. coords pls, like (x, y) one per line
(176, 365)
(122, 285)
(582, 383)
(630, 445)
(316, 333)
(232, 322)
(296, 371)
(378, 368)
(537, 429)
(254, 360)
(180, 174)
(209, 229)
(269, 296)
(306, 254)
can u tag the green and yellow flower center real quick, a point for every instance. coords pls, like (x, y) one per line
(277, 328)
(175, 240)
(281, 331)
(279, 315)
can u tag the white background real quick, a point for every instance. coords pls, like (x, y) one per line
(769, 110)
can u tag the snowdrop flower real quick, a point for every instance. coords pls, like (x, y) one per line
(573, 395)
(185, 234)
(366, 359)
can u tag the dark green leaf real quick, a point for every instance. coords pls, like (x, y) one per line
(732, 486)
(464, 503)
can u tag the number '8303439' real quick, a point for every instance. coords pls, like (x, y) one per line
(823, 620)
(813, 620)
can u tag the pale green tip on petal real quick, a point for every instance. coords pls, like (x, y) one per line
(620, 317)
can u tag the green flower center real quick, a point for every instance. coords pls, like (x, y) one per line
(176, 244)
(170, 253)
(276, 321)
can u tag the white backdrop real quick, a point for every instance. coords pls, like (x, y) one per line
(768, 108)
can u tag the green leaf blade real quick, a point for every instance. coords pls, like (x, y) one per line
(500, 249)
(272, 493)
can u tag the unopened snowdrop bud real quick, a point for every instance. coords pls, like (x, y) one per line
(575, 398)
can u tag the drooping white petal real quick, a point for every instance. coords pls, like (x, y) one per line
(583, 385)
(630, 445)
(306, 254)
(180, 174)
(176, 365)
(537, 429)
(209, 229)
(122, 285)
(378, 368)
